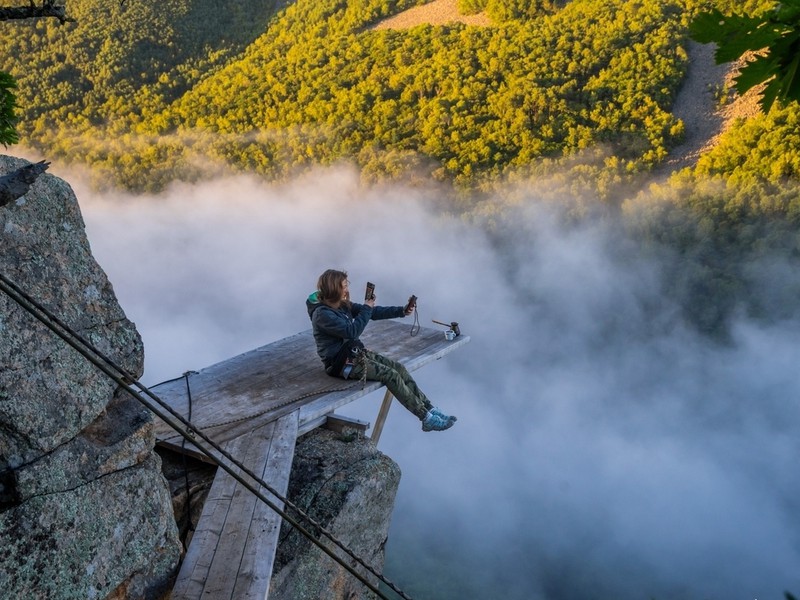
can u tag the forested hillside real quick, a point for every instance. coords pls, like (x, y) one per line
(147, 92)
(577, 92)
(163, 84)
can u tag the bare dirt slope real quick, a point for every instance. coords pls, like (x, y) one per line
(438, 12)
(697, 105)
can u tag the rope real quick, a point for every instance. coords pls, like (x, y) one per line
(190, 432)
(415, 327)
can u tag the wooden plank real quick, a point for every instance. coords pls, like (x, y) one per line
(244, 386)
(255, 570)
(340, 423)
(381, 419)
(228, 554)
(233, 548)
(193, 575)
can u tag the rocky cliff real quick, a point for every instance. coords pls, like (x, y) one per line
(347, 486)
(84, 509)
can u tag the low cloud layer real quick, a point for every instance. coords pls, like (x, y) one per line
(603, 450)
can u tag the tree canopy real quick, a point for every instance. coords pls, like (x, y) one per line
(8, 103)
(315, 83)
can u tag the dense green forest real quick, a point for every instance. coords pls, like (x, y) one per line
(576, 93)
(275, 91)
(147, 93)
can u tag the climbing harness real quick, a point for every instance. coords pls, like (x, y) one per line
(190, 432)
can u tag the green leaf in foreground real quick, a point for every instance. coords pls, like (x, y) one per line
(773, 36)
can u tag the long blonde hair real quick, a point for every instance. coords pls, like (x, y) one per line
(329, 286)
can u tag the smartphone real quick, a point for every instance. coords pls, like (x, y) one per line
(369, 294)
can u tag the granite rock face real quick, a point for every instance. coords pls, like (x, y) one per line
(48, 392)
(348, 487)
(84, 509)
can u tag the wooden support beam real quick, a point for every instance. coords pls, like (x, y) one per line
(381, 419)
(340, 424)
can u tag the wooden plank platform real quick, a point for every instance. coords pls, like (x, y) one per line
(232, 397)
(255, 405)
(234, 544)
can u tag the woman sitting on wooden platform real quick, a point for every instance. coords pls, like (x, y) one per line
(337, 324)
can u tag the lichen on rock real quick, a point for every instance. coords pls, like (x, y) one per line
(84, 509)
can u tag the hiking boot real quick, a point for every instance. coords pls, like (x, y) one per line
(436, 411)
(436, 421)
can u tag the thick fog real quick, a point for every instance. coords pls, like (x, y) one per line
(603, 450)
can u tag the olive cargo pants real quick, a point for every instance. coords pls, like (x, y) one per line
(397, 380)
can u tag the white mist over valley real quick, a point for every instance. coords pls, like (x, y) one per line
(603, 448)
